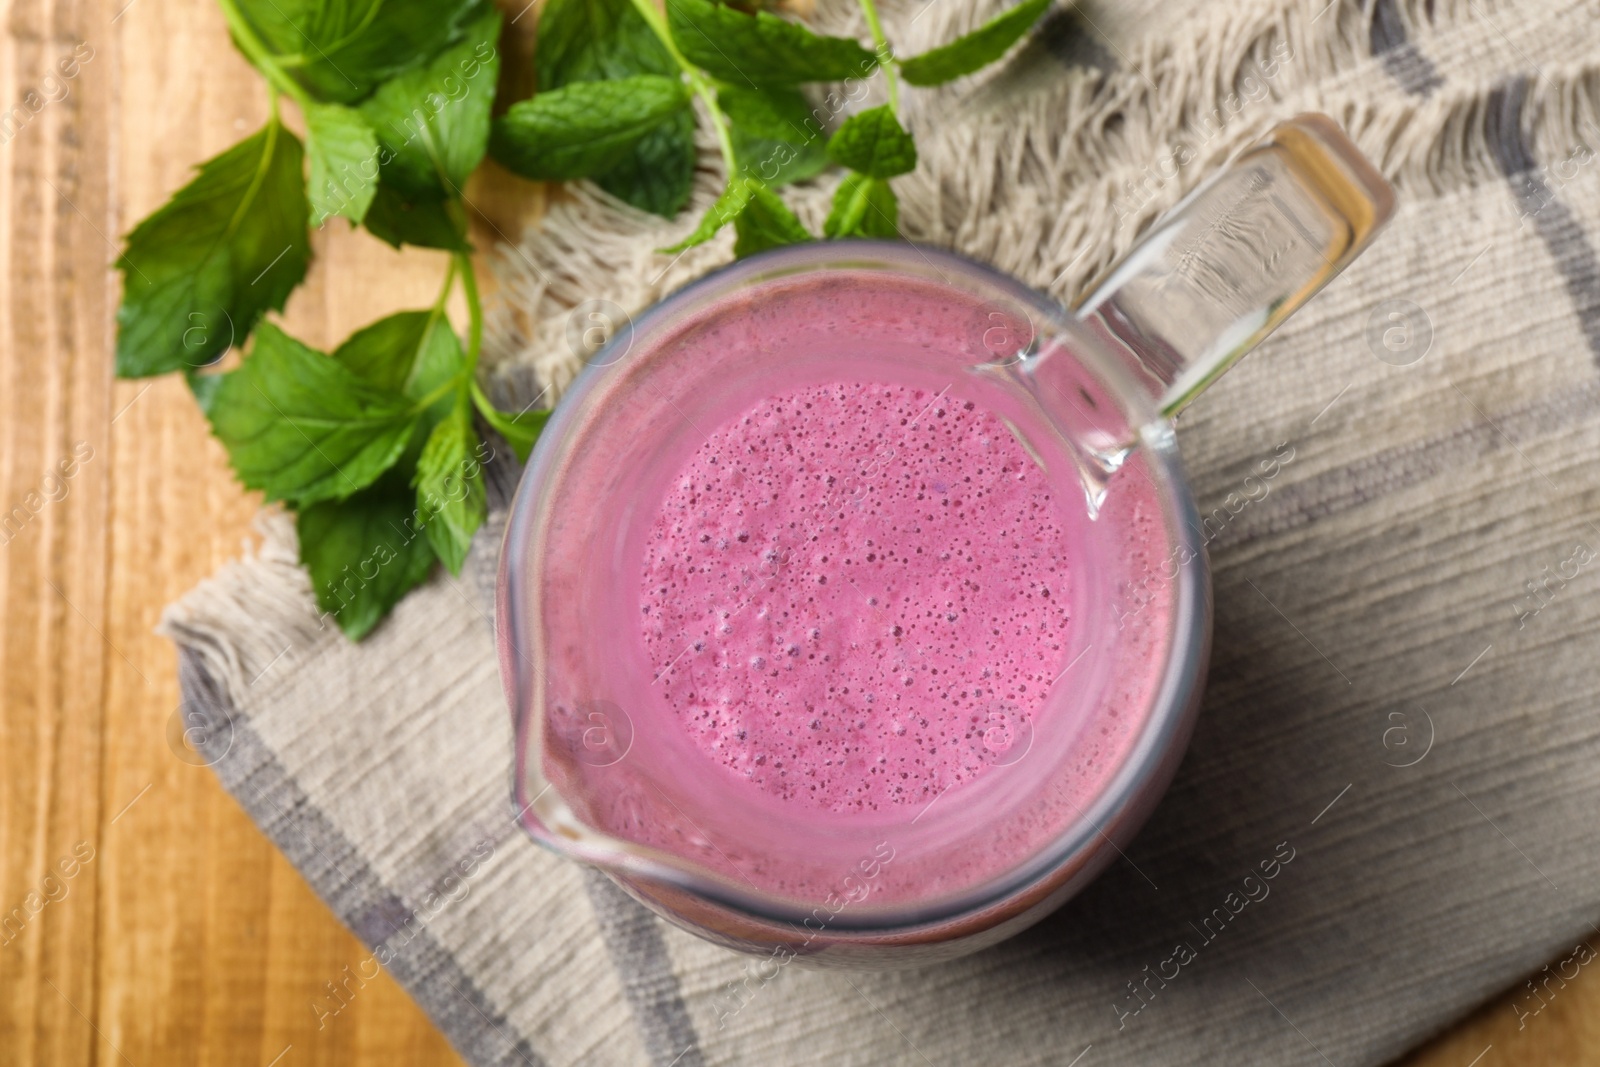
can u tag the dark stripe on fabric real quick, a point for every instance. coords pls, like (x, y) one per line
(1391, 470)
(1067, 36)
(333, 866)
(633, 938)
(1405, 63)
(1553, 221)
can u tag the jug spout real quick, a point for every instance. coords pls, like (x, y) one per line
(1236, 257)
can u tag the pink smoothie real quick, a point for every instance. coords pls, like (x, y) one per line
(835, 605)
(853, 595)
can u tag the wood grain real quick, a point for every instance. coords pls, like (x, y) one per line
(187, 939)
(181, 936)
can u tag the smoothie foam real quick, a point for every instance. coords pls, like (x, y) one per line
(853, 596)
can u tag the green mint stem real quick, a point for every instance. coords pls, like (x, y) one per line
(697, 80)
(464, 384)
(481, 399)
(885, 57)
(469, 284)
(444, 291)
(719, 123)
(250, 43)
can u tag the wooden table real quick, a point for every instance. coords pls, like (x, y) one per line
(186, 938)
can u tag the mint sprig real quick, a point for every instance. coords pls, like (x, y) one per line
(745, 68)
(374, 445)
(377, 444)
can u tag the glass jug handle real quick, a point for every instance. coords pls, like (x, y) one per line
(1237, 256)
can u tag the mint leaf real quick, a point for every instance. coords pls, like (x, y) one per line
(364, 553)
(199, 273)
(341, 50)
(776, 138)
(595, 40)
(761, 49)
(874, 143)
(766, 222)
(863, 207)
(411, 353)
(724, 210)
(433, 122)
(432, 220)
(450, 495)
(344, 162)
(415, 353)
(521, 429)
(585, 128)
(975, 50)
(777, 163)
(659, 176)
(302, 427)
(778, 112)
(203, 387)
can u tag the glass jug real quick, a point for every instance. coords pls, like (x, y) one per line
(1037, 794)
